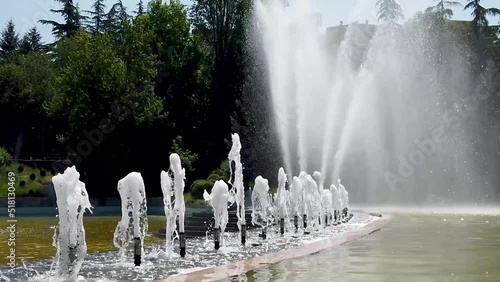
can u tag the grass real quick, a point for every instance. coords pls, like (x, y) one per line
(35, 186)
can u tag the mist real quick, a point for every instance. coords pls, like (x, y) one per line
(394, 111)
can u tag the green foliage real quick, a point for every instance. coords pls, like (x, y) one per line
(140, 8)
(480, 13)
(31, 42)
(116, 18)
(389, 11)
(9, 41)
(93, 78)
(5, 158)
(31, 187)
(222, 171)
(95, 23)
(215, 177)
(72, 17)
(199, 186)
(188, 158)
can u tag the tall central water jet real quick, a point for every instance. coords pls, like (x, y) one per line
(238, 190)
(370, 98)
(69, 236)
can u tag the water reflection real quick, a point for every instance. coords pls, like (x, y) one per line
(411, 248)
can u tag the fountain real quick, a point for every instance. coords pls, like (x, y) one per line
(179, 205)
(318, 178)
(339, 109)
(312, 203)
(238, 190)
(335, 203)
(219, 199)
(134, 223)
(305, 199)
(261, 204)
(167, 187)
(69, 235)
(280, 200)
(296, 196)
(344, 198)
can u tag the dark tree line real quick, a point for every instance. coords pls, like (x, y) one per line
(119, 91)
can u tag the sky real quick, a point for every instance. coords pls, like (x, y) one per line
(27, 13)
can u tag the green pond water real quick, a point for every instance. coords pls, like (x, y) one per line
(412, 247)
(34, 235)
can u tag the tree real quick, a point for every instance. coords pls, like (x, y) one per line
(116, 18)
(94, 77)
(9, 42)
(221, 23)
(389, 11)
(443, 8)
(25, 83)
(72, 18)
(479, 13)
(219, 19)
(140, 8)
(96, 19)
(31, 42)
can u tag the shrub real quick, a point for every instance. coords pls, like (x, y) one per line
(5, 157)
(222, 171)
(187, 157)
(199, 186)
(214, 177)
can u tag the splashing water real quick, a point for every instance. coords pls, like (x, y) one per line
(238, 190)
(69, 235)
(134, 221)
(366, 98)
(281, 196)
(219, 199)
(167, 187)
(261, 203)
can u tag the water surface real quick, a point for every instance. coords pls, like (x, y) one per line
(412, 247)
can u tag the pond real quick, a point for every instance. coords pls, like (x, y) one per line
(411, 247)
(34, 235)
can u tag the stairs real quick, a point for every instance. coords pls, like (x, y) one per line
(199, 224)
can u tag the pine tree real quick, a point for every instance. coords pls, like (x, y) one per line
(479, 13)
(389, 11)
(9, 42)
(31, 42)
(116, 17)
(96, 20)
(443, 8)
(140, 8)
(72, 18)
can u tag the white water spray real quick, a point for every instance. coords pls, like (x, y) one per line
(133, 226)
(238, 190)
(69, 236)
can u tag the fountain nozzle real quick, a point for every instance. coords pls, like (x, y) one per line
(137, 251)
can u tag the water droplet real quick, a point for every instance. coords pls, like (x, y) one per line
(444, 219)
